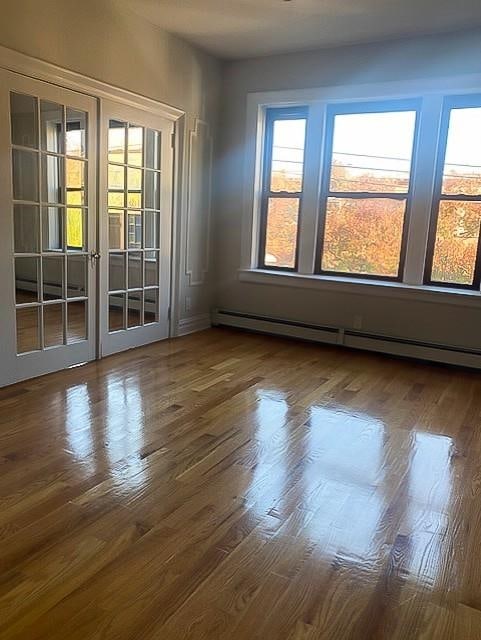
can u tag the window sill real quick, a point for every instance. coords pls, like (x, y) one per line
(358, 286)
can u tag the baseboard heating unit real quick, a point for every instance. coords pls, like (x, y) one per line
(350, 338)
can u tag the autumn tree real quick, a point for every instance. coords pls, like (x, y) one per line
(365, 235)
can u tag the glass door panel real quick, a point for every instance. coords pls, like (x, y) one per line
(135, 227)
(47, 210)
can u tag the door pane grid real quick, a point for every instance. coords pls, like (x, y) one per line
(133, 223)
(44, 183)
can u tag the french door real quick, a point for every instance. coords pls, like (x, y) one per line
(77, 283)
(48, 227)
(135, 227)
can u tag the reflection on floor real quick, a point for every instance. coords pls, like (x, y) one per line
(57, 317)
(23, 296)
(226, 485)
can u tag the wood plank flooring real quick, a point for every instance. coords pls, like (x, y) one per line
(234, 486)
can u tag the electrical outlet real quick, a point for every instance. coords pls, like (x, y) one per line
(357, 323)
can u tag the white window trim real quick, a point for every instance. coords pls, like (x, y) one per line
(432, 92)
(359, 286)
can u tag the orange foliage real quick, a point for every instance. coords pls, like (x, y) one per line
(282, 222)
(364, 235)
(456, 242)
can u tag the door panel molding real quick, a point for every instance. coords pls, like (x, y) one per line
(199, 203)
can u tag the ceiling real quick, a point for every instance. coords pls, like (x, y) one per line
(247, 28)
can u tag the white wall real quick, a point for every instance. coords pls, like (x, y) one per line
(98, 40)
(446, 55)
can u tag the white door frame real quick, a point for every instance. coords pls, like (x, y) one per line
(36, 69)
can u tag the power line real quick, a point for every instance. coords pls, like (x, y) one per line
(378, 157)
(365, 155)
(287, 161)
(350, 166)
(281, 146)
(290, 172)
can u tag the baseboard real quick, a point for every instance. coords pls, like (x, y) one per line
(51, 289)
(349, 338)
(193, 324)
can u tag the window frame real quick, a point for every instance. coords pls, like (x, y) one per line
(450, 103)
(431, 92)
(271, 115)
(369, 106)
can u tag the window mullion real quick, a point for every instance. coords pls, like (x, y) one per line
(308, 224)
(423, 179)
(363, 195)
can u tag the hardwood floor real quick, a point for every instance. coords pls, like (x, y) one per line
(227, 485)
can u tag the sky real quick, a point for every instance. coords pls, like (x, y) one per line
(382, 140)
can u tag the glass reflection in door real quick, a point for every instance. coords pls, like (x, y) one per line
(134, 223)
(49, 160)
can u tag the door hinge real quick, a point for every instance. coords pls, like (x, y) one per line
(172, 140)
(169, 313)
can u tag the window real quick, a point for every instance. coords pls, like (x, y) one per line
(366, 189)
(282, 188)
(454, 251)
(75, 145)
(382, 189)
